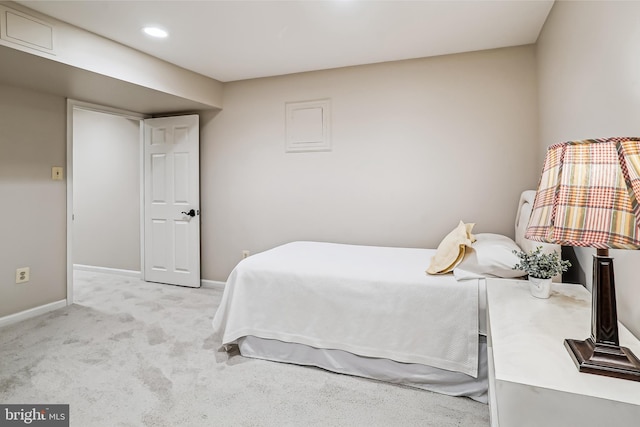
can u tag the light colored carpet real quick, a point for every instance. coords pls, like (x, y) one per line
(130, 353)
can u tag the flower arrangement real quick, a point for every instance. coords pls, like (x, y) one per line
(542, 266)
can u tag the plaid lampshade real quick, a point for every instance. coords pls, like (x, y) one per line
(588, 195)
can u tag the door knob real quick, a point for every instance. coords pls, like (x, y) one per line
(191, 213)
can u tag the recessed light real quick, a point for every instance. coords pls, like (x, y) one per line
(155, 32)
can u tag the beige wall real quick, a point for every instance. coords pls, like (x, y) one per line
(106, 190)
(417, 146)
(32, 214)
(589, 87)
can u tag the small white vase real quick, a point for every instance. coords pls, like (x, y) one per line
(540, 288)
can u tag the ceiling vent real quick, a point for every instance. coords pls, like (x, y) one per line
(26, 30)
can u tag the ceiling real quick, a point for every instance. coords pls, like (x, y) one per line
(236, 40)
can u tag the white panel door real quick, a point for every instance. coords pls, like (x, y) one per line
(172, 200)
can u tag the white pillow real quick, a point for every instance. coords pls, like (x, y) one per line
(490, 256)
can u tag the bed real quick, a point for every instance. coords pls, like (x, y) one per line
(371, 311)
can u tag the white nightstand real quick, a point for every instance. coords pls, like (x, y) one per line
(532, 379)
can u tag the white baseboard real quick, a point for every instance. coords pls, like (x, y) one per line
(107, 270)
(32, 312)
(213, 284)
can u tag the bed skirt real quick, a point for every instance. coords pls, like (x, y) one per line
(408, 374)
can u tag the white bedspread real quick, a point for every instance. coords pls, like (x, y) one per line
(370, 301)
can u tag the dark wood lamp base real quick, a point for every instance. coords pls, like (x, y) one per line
(602, 359)
(601, 353)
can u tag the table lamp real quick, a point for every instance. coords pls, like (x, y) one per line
(588, 196)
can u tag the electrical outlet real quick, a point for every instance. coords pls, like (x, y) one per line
(22, 275)
(245, 254)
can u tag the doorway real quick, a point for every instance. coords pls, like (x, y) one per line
(118, 164)
(104, 188)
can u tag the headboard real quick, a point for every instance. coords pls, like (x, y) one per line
(525, 207)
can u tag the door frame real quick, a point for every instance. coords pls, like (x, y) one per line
(73, 104)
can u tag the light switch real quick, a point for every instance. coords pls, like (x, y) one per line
(57, 173)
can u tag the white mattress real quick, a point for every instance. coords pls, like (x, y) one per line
(375, 302)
